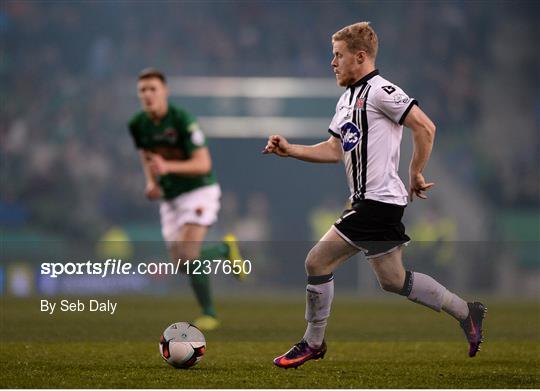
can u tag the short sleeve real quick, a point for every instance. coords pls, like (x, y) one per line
(196, 138)
(333, 128)
(193, 136)
(393, 102)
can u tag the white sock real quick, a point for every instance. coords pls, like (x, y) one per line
(319, 296)
(314, 334)
(455, 306)
(425, 290)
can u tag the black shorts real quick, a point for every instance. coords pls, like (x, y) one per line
(373, 227)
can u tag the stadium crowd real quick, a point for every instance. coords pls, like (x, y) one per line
(68, 165)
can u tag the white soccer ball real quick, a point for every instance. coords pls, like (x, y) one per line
(182, 345)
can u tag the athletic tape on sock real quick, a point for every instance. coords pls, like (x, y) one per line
(407, 285)
(317, 280)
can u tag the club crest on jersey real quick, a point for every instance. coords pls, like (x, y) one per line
(360, 103)
(350, 136)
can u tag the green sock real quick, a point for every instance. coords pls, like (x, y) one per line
(201, 286)
(215, 251)
(201, 282)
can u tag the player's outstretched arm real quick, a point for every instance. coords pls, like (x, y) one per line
(423, 130)
(199, 163)
(328, 151)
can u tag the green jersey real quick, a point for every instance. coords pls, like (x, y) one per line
(175, 137)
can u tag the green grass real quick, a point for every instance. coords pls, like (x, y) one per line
(372, 344)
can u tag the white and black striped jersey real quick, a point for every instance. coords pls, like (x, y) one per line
(368, 120)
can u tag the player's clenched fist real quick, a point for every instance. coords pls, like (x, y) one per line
(158, 166)
(278, 145)
(152, 191)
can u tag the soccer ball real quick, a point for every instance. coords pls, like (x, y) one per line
(182, 345)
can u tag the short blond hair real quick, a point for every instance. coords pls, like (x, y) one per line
(359, 36)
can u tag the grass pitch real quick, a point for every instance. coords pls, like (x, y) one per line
(372, 344)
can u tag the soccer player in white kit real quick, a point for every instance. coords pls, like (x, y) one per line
(365, 133)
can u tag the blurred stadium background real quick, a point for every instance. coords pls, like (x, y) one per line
(72, 183)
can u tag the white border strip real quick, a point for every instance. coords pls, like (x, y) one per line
(262, 127)
(254, 87)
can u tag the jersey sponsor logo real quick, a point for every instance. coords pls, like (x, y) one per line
(389, 89)
(171, 135)
(350, 136)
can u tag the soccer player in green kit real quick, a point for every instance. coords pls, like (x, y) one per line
(178, 171)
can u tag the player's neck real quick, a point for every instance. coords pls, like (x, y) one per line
(157, 116)
(364, 71)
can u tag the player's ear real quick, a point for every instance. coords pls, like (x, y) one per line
(361, 56)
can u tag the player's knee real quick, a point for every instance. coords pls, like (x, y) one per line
(312, 264)
(390, 284)
(183, 265)
(177, 253)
